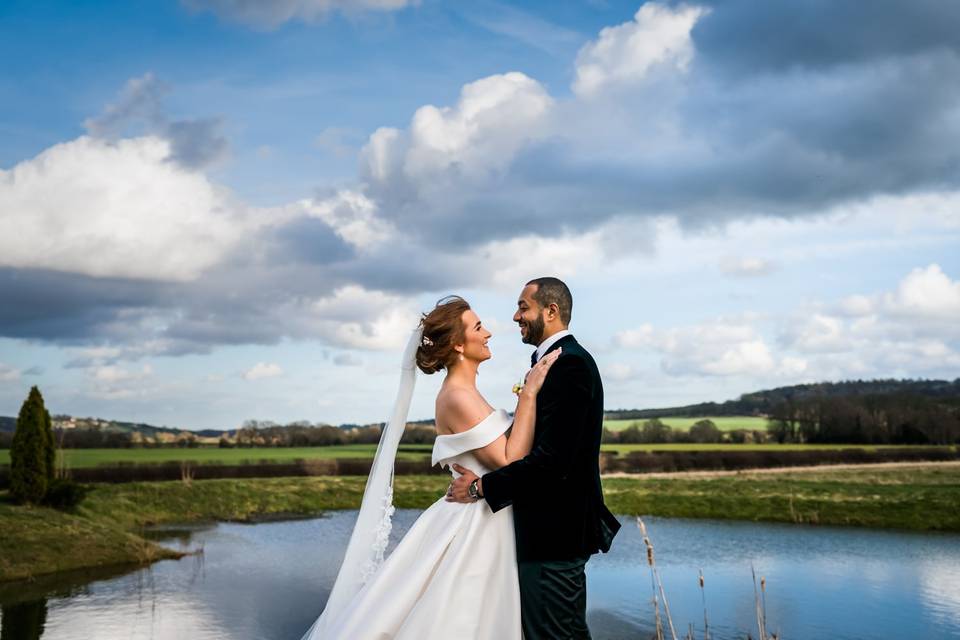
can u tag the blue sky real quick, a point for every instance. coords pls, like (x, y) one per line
(216, 210)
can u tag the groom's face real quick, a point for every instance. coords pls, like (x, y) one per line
(529, 316)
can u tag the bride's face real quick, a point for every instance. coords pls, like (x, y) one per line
(476, 336)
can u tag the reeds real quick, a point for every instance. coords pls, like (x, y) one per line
(660, 596)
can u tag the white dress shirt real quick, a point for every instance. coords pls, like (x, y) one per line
(549, 342)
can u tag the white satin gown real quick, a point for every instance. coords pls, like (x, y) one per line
(453, 575)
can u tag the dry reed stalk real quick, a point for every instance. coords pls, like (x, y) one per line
(703, 598)
(653, 578)
(657, 585)
(758, 606)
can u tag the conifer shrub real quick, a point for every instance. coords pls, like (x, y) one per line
(32, 451)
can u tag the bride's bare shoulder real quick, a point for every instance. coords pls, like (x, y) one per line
(459, 408)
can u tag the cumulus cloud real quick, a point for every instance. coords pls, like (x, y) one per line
(353, 217)
(269, 14)
(656, 127)
(114, 209)
(913, 328)
(658, 36)
(357, 318)
(720, 348)
(925, 293)
(474, 140)
(262, 370)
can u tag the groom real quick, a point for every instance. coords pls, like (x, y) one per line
(558, 509)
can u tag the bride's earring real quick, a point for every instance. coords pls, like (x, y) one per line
(461, 357)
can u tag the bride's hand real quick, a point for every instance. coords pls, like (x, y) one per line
(538, 373)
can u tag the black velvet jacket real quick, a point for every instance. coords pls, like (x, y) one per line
(555, 491)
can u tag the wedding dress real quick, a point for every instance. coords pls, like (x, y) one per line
(453, 575)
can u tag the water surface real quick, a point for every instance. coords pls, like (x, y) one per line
(269, 581)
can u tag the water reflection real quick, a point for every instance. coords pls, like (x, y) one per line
(23, 620)
(269, 581)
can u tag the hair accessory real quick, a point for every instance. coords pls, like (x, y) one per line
(426, 342)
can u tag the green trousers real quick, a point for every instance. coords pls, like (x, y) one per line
(553, 600)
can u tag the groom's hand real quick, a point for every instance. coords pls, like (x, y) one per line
(458, 488)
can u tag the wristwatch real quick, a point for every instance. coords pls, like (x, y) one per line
(473, 491)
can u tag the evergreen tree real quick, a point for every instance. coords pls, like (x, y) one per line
(31, 453)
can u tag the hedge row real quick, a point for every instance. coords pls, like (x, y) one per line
(138, 472)
(731, 460)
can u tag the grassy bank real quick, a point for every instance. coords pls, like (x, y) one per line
(917, 498)
(104, 529)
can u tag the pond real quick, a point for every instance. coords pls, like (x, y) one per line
(269, 581)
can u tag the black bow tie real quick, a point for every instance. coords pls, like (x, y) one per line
(533, 358)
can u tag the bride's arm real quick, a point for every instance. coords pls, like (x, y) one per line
(507, 449)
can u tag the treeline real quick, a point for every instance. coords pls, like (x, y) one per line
(868, 419)
(266, 434)
(252, 434)
(654, 431)
(762, 403)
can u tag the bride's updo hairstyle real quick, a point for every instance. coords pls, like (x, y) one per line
(442, 330)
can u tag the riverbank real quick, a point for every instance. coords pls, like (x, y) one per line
(105, 528)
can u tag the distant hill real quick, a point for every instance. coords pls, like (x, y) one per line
(761, 403)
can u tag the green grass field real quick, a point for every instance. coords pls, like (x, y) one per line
(677, 423)
(82, 458)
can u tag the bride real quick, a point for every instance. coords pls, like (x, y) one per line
(454, 574)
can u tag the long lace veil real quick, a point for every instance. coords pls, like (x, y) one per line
(372, 530)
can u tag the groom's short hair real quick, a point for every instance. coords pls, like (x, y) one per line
(554, 291)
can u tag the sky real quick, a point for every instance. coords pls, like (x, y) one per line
(220, 210)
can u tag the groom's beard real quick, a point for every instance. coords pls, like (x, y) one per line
(534, 332)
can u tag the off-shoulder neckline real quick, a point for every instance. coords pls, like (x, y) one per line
(463, 433)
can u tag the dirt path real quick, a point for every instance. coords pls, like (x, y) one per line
(774, 470)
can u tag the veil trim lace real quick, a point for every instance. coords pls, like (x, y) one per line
(368, 543)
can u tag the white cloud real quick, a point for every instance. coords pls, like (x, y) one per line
(8, 373)
(625, 54)
(111, 382)
(111, 374)
(114, 209)
(619, 371)
(913, 329)
(262, 370)
(353, 217)
(746, 267)
(358, 318)
(720, 348)
(494, 118)
(639, 338)
(925, 293)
